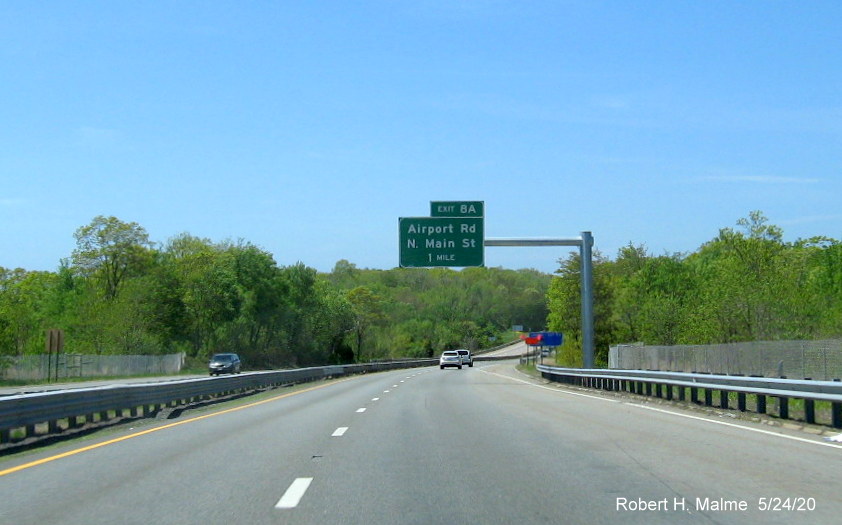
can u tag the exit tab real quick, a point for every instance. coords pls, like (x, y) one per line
(457, 209)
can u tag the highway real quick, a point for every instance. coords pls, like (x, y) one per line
(428, 446)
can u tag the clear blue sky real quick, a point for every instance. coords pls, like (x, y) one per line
(308, 128)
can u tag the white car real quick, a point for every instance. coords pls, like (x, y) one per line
(450, 358)
(467, 358)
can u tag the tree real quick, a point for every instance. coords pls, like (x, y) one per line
(110, 249)
(23, 307)
(564, 300)
(333, 320)
(748, 269)
(367, 310)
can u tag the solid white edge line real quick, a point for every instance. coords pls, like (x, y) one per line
(734, 425)
(294, 493)
(550, 389)
(670, 412)
(339, 432)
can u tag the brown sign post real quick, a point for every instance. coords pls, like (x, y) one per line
(55, 343)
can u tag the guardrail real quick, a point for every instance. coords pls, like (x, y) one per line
(80, 406)
(675, 385)
(498, 347)
(494, 357)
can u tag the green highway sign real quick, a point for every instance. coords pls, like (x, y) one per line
(457, 208)
(441, 241)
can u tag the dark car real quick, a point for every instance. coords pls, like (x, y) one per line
(224, 364)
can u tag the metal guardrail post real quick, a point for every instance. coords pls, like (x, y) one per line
(25, 411)
(809, 411)
(662, 384)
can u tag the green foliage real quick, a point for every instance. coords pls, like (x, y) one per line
(413, 312)
(25, 302)
(564, 299)
(367, 311)
(118, 294)
(569, 354)
(746, 284)
(110, 250)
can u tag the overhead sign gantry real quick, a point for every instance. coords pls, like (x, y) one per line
(454, 236)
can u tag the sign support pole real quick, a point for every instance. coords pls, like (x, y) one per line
(585, 244)
(587, 300)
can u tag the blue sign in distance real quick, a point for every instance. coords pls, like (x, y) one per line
(549, 338)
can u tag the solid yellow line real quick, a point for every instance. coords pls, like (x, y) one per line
(156, 429)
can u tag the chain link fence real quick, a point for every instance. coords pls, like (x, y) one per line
(46, 367)
(819, 360)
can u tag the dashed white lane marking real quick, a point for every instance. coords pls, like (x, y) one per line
(360, 410)
(394, 386)
(375, 399)
(294, 493)
(339, 432)
(385, 391)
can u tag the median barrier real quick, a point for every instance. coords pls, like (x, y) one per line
(25, 413)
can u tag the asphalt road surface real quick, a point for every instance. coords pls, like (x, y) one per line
(429, 446)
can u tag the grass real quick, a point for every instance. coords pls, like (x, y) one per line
(530, 369)
(797, 407)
